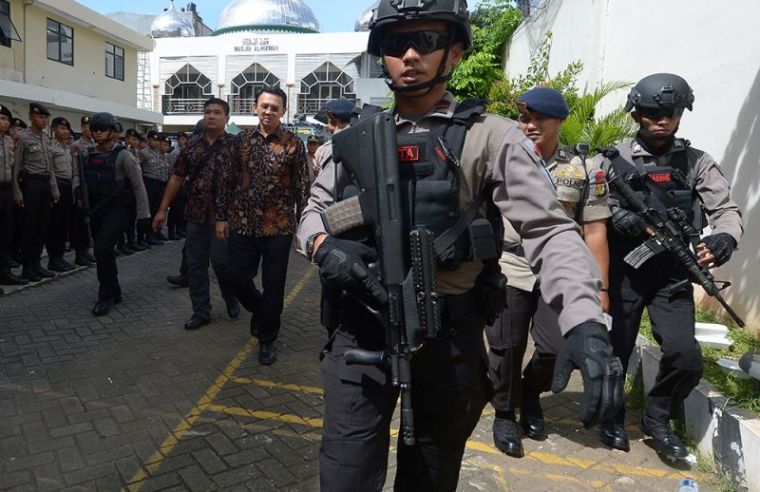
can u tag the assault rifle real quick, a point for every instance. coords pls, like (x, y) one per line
(668, 235)
(368, 151)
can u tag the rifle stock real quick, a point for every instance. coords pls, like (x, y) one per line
(669, 234)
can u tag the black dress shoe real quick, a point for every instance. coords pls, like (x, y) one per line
(82, 260)
(665, 442)
(9, 278)
(154, 242)
(138, 247)
(143, 244)
(267, 354)
(614, 435)
(233, 310)
(102, 307)
(60, 265)
(506, 437)
(30, 273)
(43, 272)
(531, 415)
(88, 257)
(126, 250)
(177, 280)
(196, 322)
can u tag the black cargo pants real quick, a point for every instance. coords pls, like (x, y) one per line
(450, 388)
(107, 226)
(508, 339)
(672, 313)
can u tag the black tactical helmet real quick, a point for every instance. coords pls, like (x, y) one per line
(660, 91)
(389, 12)
(104, 120)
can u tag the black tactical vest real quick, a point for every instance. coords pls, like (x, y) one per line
(100, 173)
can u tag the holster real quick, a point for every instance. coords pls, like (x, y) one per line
(491, 285)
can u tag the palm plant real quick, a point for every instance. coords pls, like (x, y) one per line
(583, 125)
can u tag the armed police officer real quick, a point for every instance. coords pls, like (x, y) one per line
(35, 190)
(582, 191)
(676, 180)
(110, 174)
(453, 158)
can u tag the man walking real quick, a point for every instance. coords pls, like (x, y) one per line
(200, 162)
(262, 194)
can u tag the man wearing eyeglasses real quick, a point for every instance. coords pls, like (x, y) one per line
(672, 175)
(111, 175)
(457, 163)
(261, 197)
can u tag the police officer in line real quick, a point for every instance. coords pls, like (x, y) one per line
(420, 45)
(35, 190)
(110, 175)
(128, 244)
(339, 115)
(312, 144)
(80, 238)
(176, 224)
(154, 174)
(16, 125)
(61, 215)
(7, 225)
(670, 174)
(582, 190)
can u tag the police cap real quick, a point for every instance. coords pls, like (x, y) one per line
(390, 12)
(118, 127)
(314, 139)
(133, 133)
(85, 120)
(60, 120)
(37, 108)
(341, 109)
(5, 111)
(19, 123)
(546, 101)
(661, 91)
(166, 138)
(152, 134)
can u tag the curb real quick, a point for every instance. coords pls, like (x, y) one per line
(729, 434)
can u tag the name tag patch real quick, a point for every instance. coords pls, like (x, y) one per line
(409, 153)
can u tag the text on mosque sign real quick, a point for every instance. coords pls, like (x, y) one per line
(257, 45)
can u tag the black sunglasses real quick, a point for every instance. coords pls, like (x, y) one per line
(425, 42)
(659, 113)
(98, 129)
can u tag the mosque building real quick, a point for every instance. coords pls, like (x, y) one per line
(256, 43)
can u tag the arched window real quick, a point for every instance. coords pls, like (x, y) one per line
(186, 91)
(324, 84)
(244, 86)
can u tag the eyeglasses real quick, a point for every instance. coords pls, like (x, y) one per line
(99, 129)
(660, 113)
(424, 42)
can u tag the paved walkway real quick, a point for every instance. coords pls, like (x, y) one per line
(133, 401)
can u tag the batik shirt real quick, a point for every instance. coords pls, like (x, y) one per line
(268, 187)
(202, 163)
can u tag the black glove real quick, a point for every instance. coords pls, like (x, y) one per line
(628, 223)
(589, 350)
(721, 245)
(144, 226)
(343, 264)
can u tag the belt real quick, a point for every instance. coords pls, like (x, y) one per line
(66, 181)
(514, 248)
(35, 177)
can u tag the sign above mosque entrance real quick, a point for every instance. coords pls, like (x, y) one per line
(256, 45)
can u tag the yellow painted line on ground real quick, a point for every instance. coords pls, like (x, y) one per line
(264, 415)
(313, 390)
(154, 461)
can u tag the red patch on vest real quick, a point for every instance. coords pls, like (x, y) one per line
(409, 153)
(440, 153)
(660, 177)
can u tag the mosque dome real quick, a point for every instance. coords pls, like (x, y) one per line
(267, 16)
(362, 23)
(171, 24)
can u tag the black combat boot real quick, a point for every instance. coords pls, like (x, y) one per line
(42, 272)
(81, 260)
(663, 439)
(614, 435)
(506, 434)
(178, 280)
(9, 278)
(58, 264)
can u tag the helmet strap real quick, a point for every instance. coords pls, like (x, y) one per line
(439, 78)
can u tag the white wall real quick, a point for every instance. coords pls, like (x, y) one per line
(715, 46)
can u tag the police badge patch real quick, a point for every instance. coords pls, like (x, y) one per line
(600, 188)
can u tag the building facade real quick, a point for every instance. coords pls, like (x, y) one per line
(260, 43)
(72, 59)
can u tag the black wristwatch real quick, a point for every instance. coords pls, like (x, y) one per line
(310, 245)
